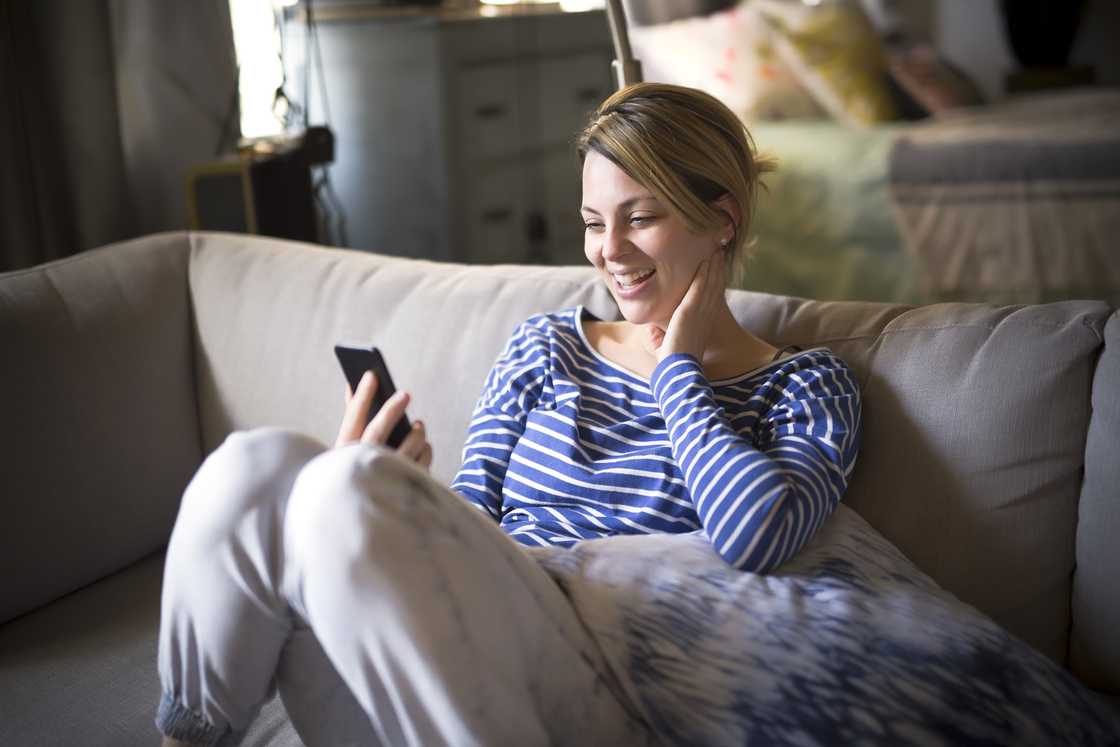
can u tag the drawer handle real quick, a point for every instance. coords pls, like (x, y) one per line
(490, 111)
(588, 94)
(496, 215)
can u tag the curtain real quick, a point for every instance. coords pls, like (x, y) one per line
(107, 104)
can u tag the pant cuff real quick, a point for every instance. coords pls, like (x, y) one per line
(179, 722)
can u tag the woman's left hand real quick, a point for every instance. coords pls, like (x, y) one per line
(696, 314)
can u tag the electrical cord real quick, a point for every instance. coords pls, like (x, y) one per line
(325, 196)
(231, 110)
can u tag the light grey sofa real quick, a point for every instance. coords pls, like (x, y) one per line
(991, 450)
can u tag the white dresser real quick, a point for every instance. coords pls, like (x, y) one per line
(455, 129)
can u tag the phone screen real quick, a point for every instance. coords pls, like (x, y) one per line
(355, 361)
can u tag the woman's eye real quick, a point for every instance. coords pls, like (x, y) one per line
(641, 220)
(592, 226)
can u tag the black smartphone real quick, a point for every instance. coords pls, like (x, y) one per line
(355, 361)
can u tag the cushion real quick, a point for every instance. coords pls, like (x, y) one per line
(1094, 644)
(100, 433)
(847, 643)
(974, 421)
(268, 313)
(729, 54)
(836, 54)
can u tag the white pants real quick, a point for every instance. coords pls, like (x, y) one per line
(381, 605)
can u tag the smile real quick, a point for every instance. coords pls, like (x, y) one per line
(631, 279)
(630, 283)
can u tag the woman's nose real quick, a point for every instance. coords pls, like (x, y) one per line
(615, 243)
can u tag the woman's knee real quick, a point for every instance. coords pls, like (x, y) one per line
(344, 495)
(251, 471)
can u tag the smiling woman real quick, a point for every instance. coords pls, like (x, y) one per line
(437, 606)
(669, 183)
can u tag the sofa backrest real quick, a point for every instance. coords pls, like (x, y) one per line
(98, 422)
(975, 417)
(973, 441)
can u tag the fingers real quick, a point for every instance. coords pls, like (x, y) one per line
(378, 430)
(415, 446)
(357, 409)
(696, 297)
(699, 282)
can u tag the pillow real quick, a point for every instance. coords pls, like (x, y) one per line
(846, 643)
(835, 53)
(730, 55)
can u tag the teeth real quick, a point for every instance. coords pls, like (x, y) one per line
(633, 278)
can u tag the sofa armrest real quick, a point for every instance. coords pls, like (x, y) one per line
(100, 428)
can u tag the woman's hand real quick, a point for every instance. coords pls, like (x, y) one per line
(415, 445)
(696, 314)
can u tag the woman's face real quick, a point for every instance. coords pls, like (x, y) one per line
(644, 250)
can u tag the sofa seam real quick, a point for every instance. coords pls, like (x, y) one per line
(193, 345)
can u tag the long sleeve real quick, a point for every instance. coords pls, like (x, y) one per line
(760, 504)
(512, 387)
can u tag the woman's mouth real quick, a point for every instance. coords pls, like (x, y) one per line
(631, 283)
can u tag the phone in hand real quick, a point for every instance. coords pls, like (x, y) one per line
(355, 361)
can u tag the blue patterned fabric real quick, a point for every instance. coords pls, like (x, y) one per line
(846, 643)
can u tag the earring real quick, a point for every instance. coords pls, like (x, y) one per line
(723, 243)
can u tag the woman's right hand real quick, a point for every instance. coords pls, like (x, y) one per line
(415, 445)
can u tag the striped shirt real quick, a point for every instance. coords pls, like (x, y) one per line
(565, 445)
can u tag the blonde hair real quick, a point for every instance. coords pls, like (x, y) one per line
(686, 147)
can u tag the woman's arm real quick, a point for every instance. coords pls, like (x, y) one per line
(512, 388)
(760, 505)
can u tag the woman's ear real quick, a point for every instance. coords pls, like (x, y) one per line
(730, 229)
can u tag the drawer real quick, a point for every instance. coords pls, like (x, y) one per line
(562, 196)
(488, 119)
(495, 216)
(569, 89)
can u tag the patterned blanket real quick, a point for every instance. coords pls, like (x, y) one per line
(847, 643)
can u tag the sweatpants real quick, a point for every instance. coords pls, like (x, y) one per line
(382, 607)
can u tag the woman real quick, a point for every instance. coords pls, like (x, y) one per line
(386, 609)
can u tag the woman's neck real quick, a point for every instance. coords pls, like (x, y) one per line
(729, 346)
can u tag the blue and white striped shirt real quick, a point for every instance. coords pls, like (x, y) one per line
(565, 445)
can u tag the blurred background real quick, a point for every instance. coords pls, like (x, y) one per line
(929, 149)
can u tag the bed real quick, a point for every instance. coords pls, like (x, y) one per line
(1017, 202)
(1014, 203)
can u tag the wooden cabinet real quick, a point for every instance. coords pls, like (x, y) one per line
(456, 130)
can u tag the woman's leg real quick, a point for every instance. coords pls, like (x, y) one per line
(445, 630)
(226, 628)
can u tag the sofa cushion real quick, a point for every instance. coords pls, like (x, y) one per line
(83, 669)
(1094, 642)
(974, 416)
(974, 429)
(268, 314)
(100, 431)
